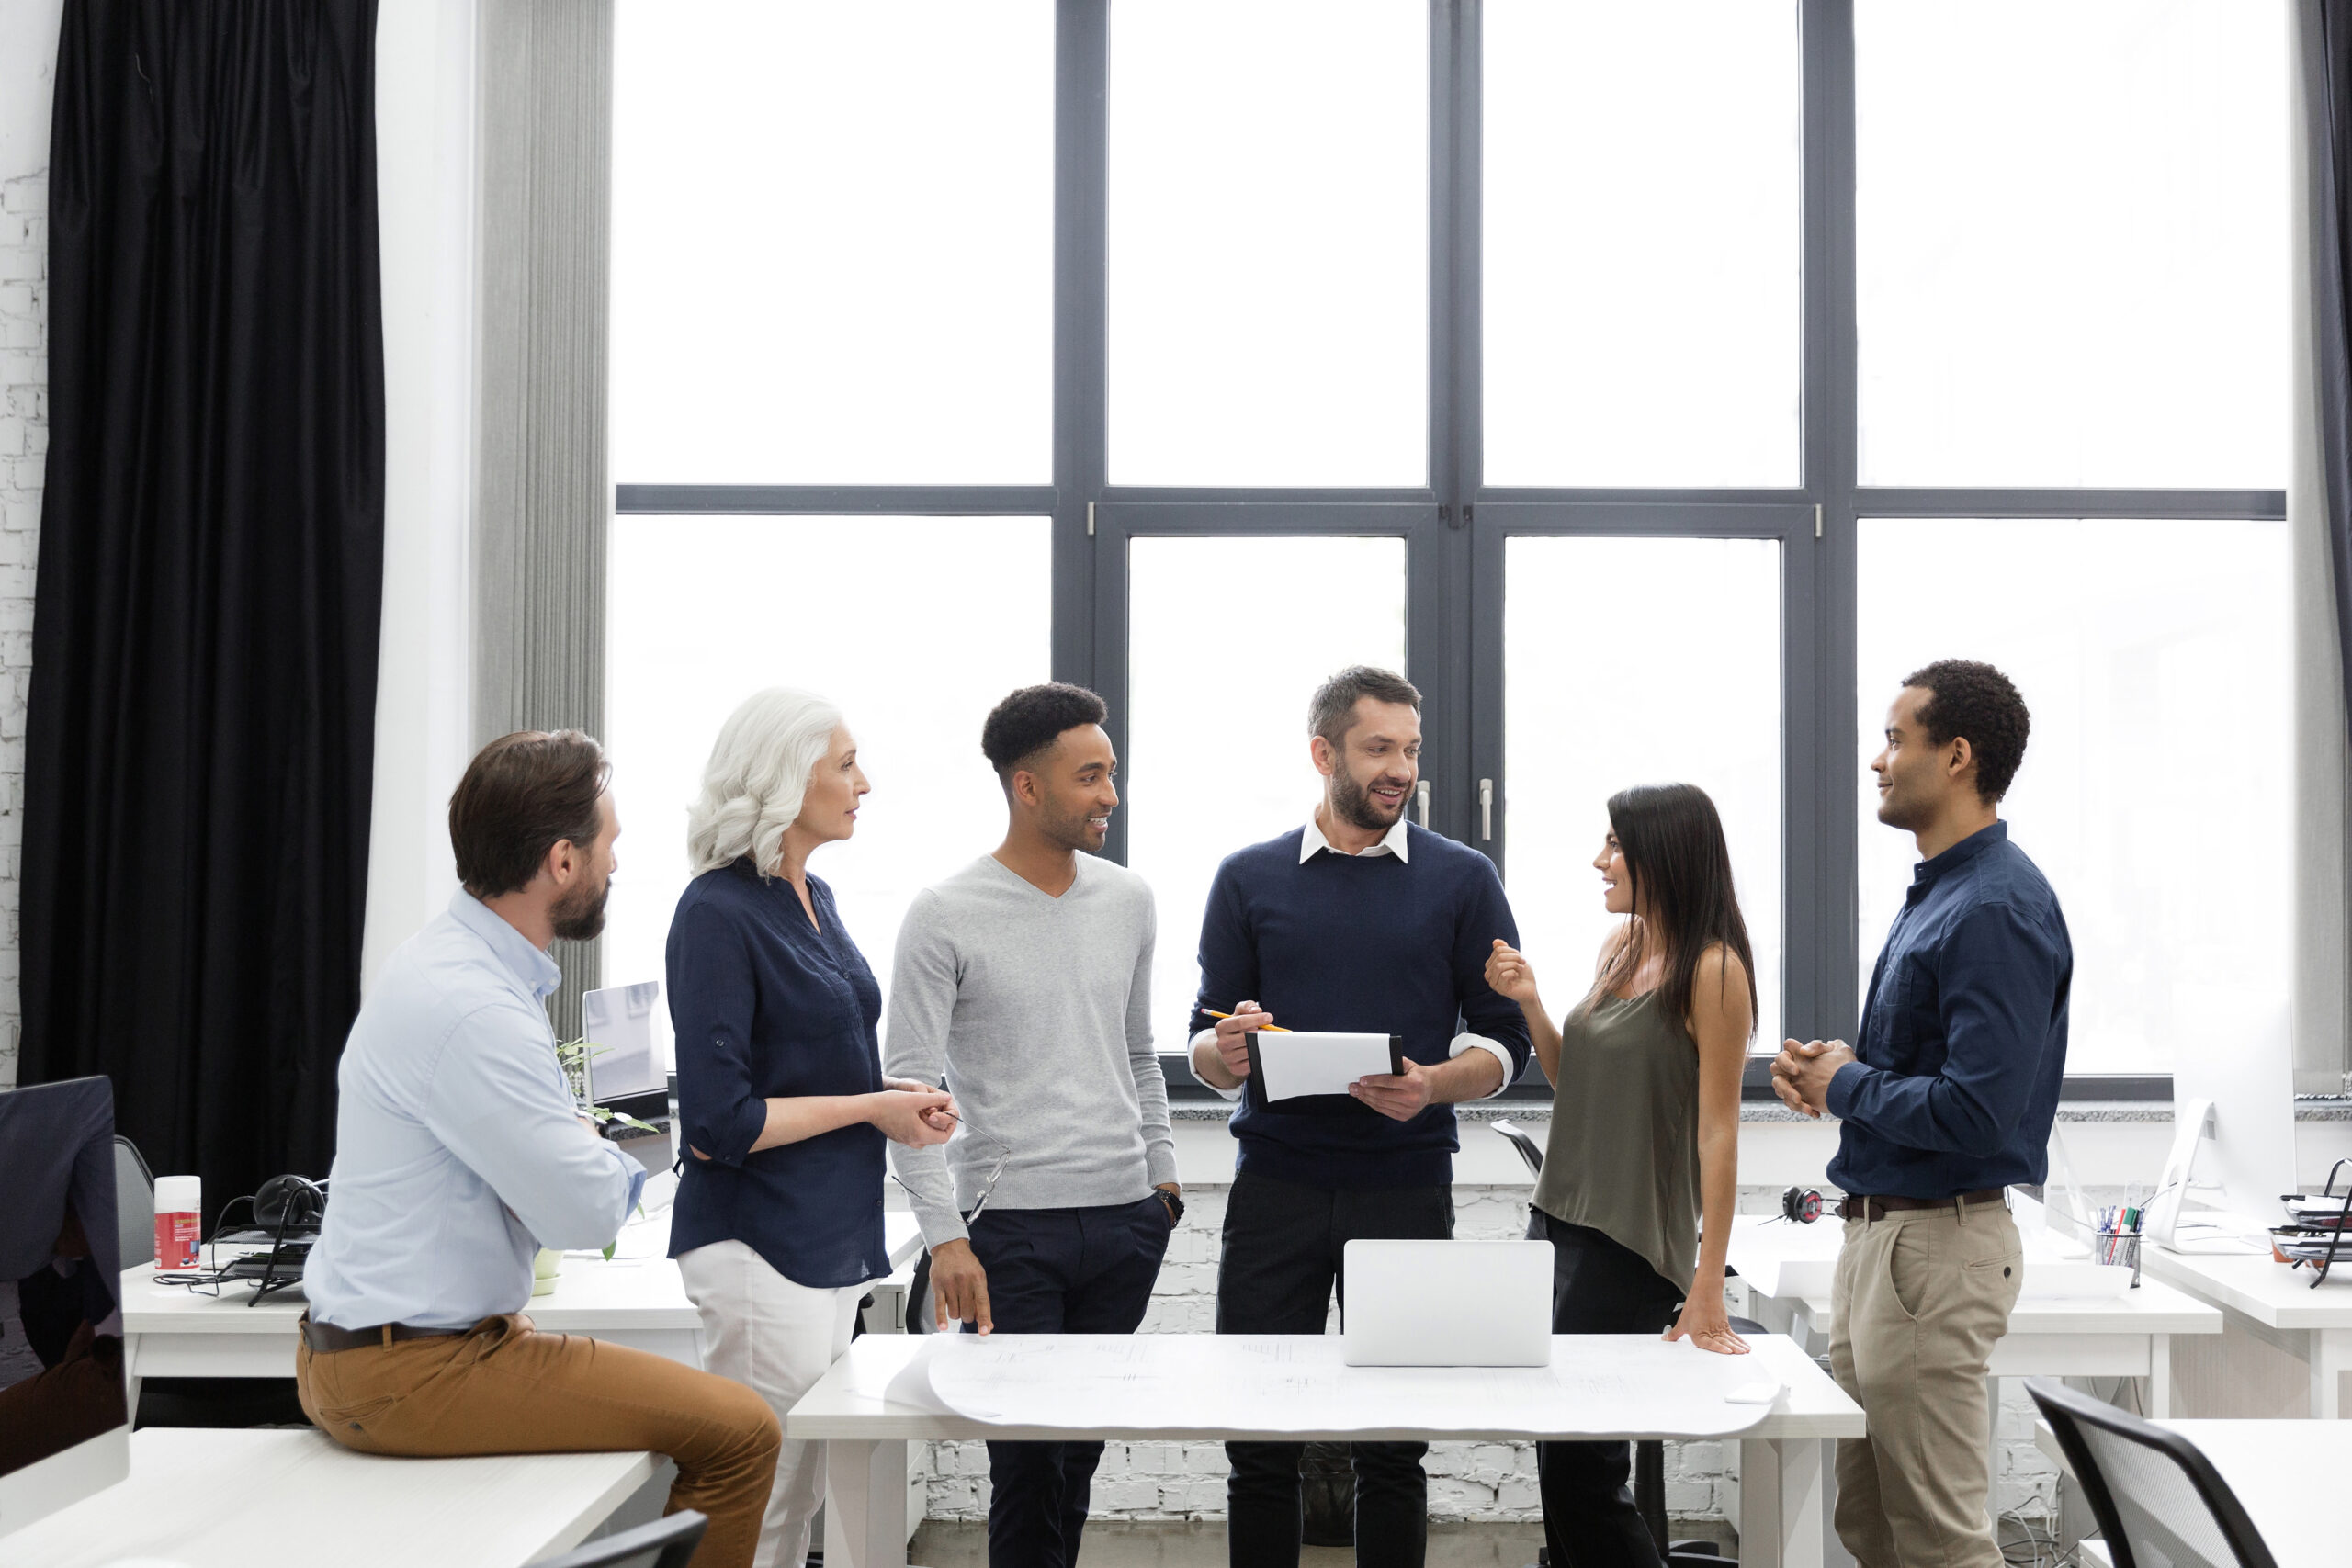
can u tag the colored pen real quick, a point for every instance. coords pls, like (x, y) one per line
(1270, 1028)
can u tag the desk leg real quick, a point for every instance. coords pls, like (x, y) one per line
(1783, 1519)
(865, 1504)
(2159, 1376)
(130, 1378)
(2331, 1359)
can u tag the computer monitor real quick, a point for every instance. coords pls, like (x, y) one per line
(64, 1423)
(620, 1026)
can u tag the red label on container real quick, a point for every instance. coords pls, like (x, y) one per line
(176, 1239)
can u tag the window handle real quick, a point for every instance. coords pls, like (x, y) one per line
(1485, 810)
(1421, 800)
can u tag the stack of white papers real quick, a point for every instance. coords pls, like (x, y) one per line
(1288, 1063)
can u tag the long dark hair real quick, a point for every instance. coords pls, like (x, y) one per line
(1681, 865)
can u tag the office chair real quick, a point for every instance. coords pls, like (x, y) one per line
(1529, 1149)
(2158, 1500)
(134, 1203)
(1649, 1456)
(664, 1543)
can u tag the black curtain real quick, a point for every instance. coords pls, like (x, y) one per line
(202, 712)
(2324, 40)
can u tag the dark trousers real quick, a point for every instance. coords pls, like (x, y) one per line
(1059, 1271)
(1283, 1248)
(1597, 1287)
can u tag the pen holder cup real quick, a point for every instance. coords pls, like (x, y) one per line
(2118, 1249)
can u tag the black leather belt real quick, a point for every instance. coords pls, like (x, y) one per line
(1879, 1208)
(325, 1338)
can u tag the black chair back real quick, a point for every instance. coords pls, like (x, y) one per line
(1529, 1149)
(664, 1543)
(134, 1203)
(2158, 1500)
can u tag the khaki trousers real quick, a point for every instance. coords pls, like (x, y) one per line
(1920, 1297)
(504, 1388)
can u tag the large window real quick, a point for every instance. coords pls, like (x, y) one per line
(832, 243)
(705, 610)
(1269, 243)
(1218, 738)
(2073, 242)
(2154, 793)
(1657, 389)
(1643, 249)
(1598, 697)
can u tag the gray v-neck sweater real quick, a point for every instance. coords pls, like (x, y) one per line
(1037, 1011)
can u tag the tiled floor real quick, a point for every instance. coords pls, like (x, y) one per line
(1111, 1544)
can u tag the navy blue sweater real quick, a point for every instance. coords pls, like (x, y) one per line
(1370, 944)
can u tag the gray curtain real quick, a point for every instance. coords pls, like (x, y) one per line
(2319, 512)
(543, 491)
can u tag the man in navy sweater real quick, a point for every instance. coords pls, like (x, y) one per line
(1356, 922)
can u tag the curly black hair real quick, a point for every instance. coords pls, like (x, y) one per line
(1031, 719)
(1965, 697)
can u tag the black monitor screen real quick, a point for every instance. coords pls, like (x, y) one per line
(61, 1312)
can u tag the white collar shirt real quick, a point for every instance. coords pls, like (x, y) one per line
(1392, 843)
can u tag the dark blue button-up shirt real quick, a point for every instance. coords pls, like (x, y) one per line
(767, 1006)
(1964, 1038)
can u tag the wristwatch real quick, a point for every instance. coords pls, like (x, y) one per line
(1175, 1202)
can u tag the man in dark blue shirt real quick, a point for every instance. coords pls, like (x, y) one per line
(1357, 922)
(1947, 1099)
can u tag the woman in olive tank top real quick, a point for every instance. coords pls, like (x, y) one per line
(1641, 1175)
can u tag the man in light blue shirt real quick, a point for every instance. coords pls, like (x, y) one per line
(460, 1152)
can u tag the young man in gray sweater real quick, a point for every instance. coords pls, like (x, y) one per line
(1026, 977)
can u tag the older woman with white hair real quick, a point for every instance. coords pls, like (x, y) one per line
(777, 1225)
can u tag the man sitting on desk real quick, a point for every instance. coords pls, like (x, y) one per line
(459, 1153)
(1357, 922)
(1947, 1099)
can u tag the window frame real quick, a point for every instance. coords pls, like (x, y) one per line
(1455, 525)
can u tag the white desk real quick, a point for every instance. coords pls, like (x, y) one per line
(2128, 1335)
(233, 1498)
(635, 1300)
(2280, 1304)
(2271, 1466)
(866, 1437)
(1788, 1268)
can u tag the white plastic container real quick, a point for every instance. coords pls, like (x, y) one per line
(179, 1201)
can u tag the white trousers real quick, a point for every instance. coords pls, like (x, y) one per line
(776, 1338)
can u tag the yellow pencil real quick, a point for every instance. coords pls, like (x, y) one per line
(1270, 1028)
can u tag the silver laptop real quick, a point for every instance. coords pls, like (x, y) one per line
(1448, 1304)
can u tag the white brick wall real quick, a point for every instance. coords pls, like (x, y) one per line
(24, 439)
(1489, 1482)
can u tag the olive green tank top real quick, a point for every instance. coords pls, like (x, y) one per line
(1624, 1154)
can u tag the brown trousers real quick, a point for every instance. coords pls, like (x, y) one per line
(1918, 1300)
(504, 1388)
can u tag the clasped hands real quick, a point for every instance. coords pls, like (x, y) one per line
(1801, 1073)
(1400, 1097)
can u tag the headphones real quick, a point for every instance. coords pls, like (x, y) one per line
(1800, 1205)
(289, 1202)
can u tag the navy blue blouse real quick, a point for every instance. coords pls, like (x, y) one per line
(766, 1005)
